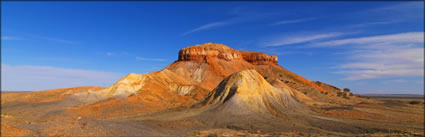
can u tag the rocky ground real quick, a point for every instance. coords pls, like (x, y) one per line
(386, 117)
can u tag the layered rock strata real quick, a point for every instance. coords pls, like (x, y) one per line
(213, 50)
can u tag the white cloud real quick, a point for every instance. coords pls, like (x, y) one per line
(373, 23)
(408, 37)
(239, 14)
(209, 26)
(116, 53)
(34, 78)
(292, 21)
(383, 73)
(40, 38)
(149, 59)
(394, 55)
(398, 81)
(297, 39)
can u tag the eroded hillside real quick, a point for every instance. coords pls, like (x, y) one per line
(209, 89)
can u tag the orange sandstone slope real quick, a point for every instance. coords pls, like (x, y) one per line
(248, 92)
(198, 70)
(221, 61)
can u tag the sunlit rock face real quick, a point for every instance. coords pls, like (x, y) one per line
(327, 86)
(200, 52)
(247, 92)
(258, 58)
(213, 50)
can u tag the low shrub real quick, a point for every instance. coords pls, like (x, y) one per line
(414, 102)
(346, 90)
(339, 94)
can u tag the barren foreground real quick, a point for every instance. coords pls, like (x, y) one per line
(24, 115)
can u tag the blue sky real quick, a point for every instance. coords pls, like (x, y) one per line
(369, 47)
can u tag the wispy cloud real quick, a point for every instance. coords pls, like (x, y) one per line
(298, 39)
(33, 78)
(149, 59)
(408, 37)
(38, 37)
(116, 54)
(211, 25)
(400, 7)
(396, 81)
(235, 20)
(9, 38)
(292, 21)
(369, 70)
(240, 15)
(393, 55)
(373, 23)
(397, 12)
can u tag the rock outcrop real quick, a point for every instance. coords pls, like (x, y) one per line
(258, 58)
(247, 92)
(200, 52)
(327, 87)
(214, 50)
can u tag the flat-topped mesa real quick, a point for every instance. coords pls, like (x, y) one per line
(202, 51)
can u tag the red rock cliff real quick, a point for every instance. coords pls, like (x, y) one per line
(258, 57)
(200, 52)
